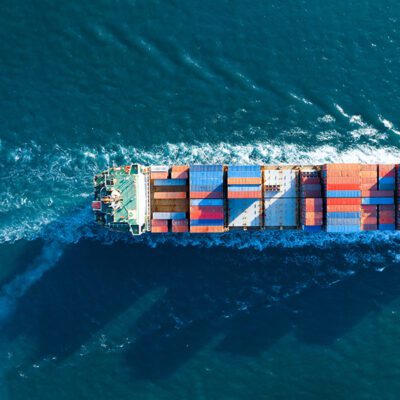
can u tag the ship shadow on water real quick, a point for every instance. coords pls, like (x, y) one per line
(234, 301)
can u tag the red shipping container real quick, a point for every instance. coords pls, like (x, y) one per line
(304, 180)
(254, 194)
(159, 229)
(180, 229)
(377, 193)
(207, 229)
(369, 208)
(310, 194)
(159, 175)
(343, 201)
(206, 215)
(387, 220)
(387, 207)
(180, 222)
(369, 227)
(343, 186)
(194, 209)
(206, 195)
(169, 195)
(369, 220)
(159, 222)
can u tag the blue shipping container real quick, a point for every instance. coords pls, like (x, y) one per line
(377, 200)
(207, 222)
(244, 188)
(207, 202)
(170, 182)
(311, 228)
(343, 229)
(338, 214)
(342, 221)
(386, 227)
(343, 193)
(169, 215)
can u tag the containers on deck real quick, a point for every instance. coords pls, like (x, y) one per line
(311, 211)
(354, 197)
(206, 183)
(244, 194)
(342, 182)
(169, 198)
(280, 197)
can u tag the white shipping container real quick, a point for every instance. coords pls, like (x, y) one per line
(285, 180)
(280, 212)
(159, 168)
(244, 212)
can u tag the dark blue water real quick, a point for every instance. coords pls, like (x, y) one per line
(85, 314)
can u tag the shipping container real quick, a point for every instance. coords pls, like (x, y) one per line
(169, 215)
(280, 212)
(169, 195)
(244, 213)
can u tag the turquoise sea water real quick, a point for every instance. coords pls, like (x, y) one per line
(89, 315)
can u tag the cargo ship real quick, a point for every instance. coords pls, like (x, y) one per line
(342, 198)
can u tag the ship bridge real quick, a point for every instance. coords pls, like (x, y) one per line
(121, 199)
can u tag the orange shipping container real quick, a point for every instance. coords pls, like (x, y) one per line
(159, 175)
(179, 228)
(342, 166)
(343, 208)
(179, 175)
(343, 180)
(244, 181)
(169, 195)
(206, 229)
(159, 229)
(369, 167)
(180, 168)
(369, 174)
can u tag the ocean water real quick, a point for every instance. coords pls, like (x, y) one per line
(85, 314)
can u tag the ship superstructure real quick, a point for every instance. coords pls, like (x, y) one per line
(219, 198)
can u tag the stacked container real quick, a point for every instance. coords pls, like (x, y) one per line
(342, 185)
(386, 207)
(169, 198)
(311, 217)
(280, 197)
(369, 186)
(398, 195)
(206, 198)
(244, 196)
